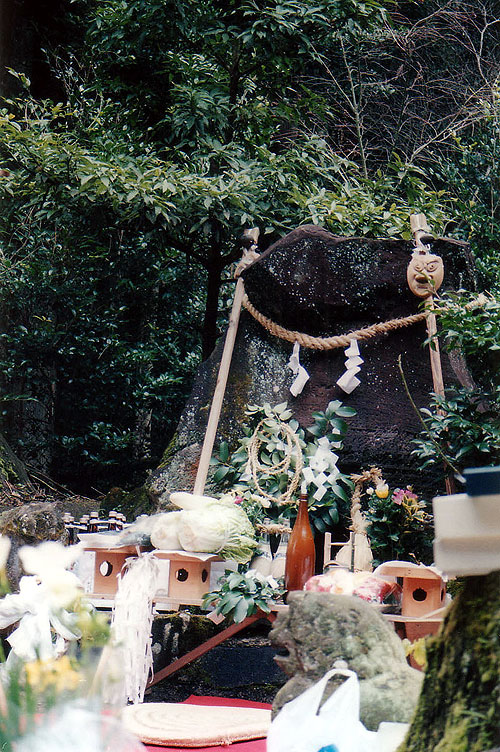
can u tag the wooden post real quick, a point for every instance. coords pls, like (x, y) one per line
(225, 363)
(420, 230)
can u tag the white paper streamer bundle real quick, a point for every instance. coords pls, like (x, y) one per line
(322, 467)
(348, 381)
(300, 373)
(132, 621)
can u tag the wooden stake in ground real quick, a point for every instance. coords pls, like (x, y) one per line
(225, 363)
(425, 275)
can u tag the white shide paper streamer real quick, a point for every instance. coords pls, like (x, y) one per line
(300, 373)
(322, 467)
(132, 621)
(349, 381)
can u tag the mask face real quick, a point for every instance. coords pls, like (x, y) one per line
(425, 273)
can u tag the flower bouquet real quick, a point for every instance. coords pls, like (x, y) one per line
(49, 700)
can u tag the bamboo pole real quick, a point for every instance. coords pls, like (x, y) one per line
(420, 231)
(222, 376)
(220, 388)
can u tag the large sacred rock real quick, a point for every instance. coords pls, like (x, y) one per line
(321, 631)
(316, 283)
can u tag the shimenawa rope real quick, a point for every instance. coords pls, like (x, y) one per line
(329, 343)
(342, 340)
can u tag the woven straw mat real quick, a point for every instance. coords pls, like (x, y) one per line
(184, 725)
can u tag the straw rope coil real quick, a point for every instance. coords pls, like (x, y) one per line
(256, 467)
(373, 475)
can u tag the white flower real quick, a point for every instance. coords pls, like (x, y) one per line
(63, 587)
(32, 608)
(266, 503)
(4, 551)
(48, 562)
(48, 556)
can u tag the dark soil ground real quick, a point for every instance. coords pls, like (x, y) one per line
(242, 667)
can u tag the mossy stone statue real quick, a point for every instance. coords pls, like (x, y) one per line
(321, 629)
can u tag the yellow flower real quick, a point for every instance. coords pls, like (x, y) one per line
(57, 674)
(418, 650)
(94, 627)
(382, 491)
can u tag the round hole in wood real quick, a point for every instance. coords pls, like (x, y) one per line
(105, 568)
(419, 594)
(182, 575)
(204, 575)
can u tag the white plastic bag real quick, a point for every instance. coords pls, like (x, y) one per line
(302, 726)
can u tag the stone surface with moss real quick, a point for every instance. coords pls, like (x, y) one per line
(175, 634)
(459, 706)
(130, 503)
(321, 629)
(241, 667)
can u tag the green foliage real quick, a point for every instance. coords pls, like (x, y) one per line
(91, 299)
(222, 87)
(471, 324)
(21, 702)
(465, 424)
(121, 205)
(183, 123)
(327, 431)
(471, 176)
(241, 594)
(400, 527)
(195, 68)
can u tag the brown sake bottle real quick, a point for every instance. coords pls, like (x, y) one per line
(300, 554)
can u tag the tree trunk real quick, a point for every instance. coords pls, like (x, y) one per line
(147, 314)
(459, 706)
(11, 467)
(214, 269)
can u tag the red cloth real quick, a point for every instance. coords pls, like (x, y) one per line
(256, 745)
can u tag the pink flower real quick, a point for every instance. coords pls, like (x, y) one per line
(404, 496)
(410, 496)
(238, 499)
(398, 496)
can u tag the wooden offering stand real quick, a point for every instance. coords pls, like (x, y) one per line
(189, 575)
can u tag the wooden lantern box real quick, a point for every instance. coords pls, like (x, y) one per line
(424, 593)
(184, 576)
(188, 575)
(107, 565)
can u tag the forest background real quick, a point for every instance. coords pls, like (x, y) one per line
(138, 138)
